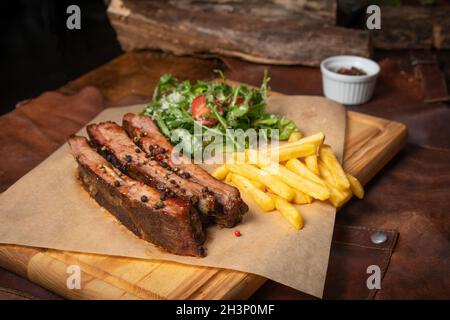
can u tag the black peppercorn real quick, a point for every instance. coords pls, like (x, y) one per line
(160, 204)
(173, 181)
(147, 155)
(137, 150)
(144, 198)
(128, 158)
(185, 175)
(160, 186)
(164, 164)
(162, 150)
(117, 183)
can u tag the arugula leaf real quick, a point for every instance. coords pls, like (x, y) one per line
(242, 108)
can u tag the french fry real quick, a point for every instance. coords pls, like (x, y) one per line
(282, 153)
(301, 198)
(315, 139)
(293, 152)
(286, 151)
(311, 164)
(271, 182)
(258, 158)
(236, 157)
(295, 136)
(299, 168)
(337, 196)
(335, 168)
(220, 172)
(311, 188)
(261, 198)
(289, 212)
(229, 177)
(259, 185)
(279, 171)
(325, 173)
(355, 186)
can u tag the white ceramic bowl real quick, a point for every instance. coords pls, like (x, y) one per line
(348, 89)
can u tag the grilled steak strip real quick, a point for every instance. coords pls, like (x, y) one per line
(116, 146)
(174, 226)
(146, 134)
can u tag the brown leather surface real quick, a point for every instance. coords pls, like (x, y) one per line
(351, 253)
(410, 195)
(426, 68)
(8, 294)
(13, 287)
(38, 127)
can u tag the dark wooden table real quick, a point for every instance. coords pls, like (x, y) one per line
(409, 195)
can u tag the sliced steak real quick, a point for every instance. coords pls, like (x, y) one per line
(114, 143)
(146, 134)
(173, 224)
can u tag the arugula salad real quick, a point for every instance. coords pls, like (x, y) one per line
(215, 106)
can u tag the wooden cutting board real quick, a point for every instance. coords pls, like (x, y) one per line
(370, 143)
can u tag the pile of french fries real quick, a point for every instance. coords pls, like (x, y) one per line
(297, 172)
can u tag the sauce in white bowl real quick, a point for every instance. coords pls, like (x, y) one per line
(345, 88)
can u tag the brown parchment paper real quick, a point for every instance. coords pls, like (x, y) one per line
(48, 208)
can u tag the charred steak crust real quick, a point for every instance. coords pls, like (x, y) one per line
(144, 132)
(176, 226)
(113, 143)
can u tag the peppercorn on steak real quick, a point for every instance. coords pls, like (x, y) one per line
(130, 173)
(146, 134)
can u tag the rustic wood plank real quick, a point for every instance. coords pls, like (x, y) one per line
(413, 27)
(284, 40)
(321, 11)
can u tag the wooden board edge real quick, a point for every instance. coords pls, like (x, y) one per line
(234, 285)
(91, 287)
(16, 258)
(394, 136)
